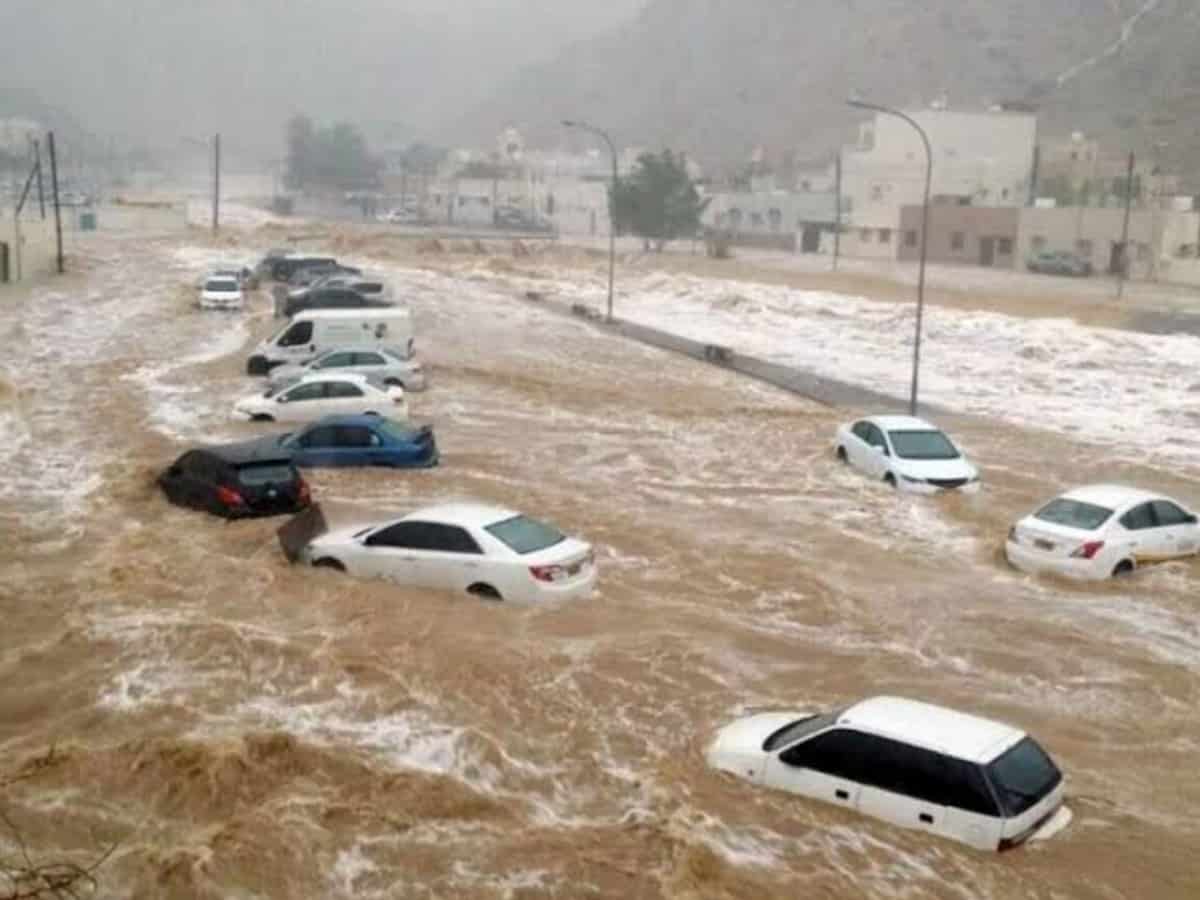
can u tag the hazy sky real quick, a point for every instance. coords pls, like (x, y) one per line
(167, 69)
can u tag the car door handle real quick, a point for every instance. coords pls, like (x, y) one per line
(842, 795)
(926, 818)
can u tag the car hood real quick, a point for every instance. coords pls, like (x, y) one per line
(747, 735)
(935, 468)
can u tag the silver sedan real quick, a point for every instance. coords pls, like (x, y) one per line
(389, 365)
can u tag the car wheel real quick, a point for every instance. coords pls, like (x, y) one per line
(485, 591)
(1124, 567)
(841, 455)
(257, 365)
(889, 479)
(394, 382)
(262, 417)
(327, 563)
(370, 412)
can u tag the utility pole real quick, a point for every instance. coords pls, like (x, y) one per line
(837, 209)
(57, 207)
(612, 206)
(1123, 270)
(37, 156)
(216, 182)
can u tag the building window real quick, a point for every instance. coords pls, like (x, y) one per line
(1004, 246)
(864, 235)
(1004, 194)
(776, 218)
(805, 185)
(885, 235)
(910, 238)
(462, 201)
(1038, 243)
(958, 240)
(1143, 252)
(1084, 248)
(877, 193)
(756, 219)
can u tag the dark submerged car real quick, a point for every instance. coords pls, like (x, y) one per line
(237, 481)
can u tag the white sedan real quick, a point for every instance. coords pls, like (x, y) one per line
(910, 763)
(1095, 532)
(468, 548)
(315, 396)
(221, 291)
(907, 453)
(384, 363)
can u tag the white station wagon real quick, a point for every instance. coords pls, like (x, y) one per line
(497, 554)
(1095, 532)
(318, 395)
(913, 764)
(908, 453)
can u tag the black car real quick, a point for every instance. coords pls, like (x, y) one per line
(308, 275)
(236, 481)
(330, 298)
(284, 268)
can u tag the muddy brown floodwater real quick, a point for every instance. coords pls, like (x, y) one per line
(240, 728)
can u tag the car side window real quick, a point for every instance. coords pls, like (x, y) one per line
(301, 392)
(299, 333)
(368, 359)
(875, 439)
(861, 430)
(342, 389)
(405, 535)
(336, 361)
(322, 436)
(451, 539)
(356, 436)
(1168, 513)
(838, 752)
(1139, 518)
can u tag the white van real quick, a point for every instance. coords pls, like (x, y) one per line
(914, 764)
(315, 331)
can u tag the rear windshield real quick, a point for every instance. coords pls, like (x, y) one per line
(397, 431)
(1023, 776)
(220, 285)
(922, 445)
(1073, 514)
(368, 287)
(789, 734)
(524, 535)
(253, 474)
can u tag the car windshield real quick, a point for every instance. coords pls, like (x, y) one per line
(1073, 514)
(793, 731)
(922, 445)
(525, 535)
(1022, 776)
(258, 473)
(220, 284)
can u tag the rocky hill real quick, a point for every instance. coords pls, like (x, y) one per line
(719, 77)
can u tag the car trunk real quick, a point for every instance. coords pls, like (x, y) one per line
(1058, 541)
(270, 487)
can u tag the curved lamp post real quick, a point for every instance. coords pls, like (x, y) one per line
(612, 202)
(916, 368)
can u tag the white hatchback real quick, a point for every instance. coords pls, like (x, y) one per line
(907, 453)
(315, 396)
(1101, 530)
(913, 764)
(221, 292)
(498, 554)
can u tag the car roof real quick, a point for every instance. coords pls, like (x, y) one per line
(937, 728)
(1111, 496)
(477, 515)
(902, 423)
(387, 312)
(255, 451)
(333, 376)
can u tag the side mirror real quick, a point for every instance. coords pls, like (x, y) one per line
(282, 398)
(882, 451)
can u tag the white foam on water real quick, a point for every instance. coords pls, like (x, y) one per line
(348, 867)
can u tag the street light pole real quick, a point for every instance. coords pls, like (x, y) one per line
(612, 202)
(916, 366)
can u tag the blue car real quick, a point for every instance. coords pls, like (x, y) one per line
(360, 441)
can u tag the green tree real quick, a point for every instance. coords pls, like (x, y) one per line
(329, 157)
(658, 201)
(300, 148)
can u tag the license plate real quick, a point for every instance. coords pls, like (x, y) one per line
(1043, 545)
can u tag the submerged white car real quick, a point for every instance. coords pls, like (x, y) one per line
(910, 763)
(221, 292)
(907, 453)
(318, 395)
(386, 364)
(1095, 532)
(498, 554)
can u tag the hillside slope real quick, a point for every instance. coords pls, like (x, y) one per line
(721, 76)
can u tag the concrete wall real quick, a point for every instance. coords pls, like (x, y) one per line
(958, 235)
(1091, 233)
(37, 252)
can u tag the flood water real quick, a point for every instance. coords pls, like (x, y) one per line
(240, 728)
